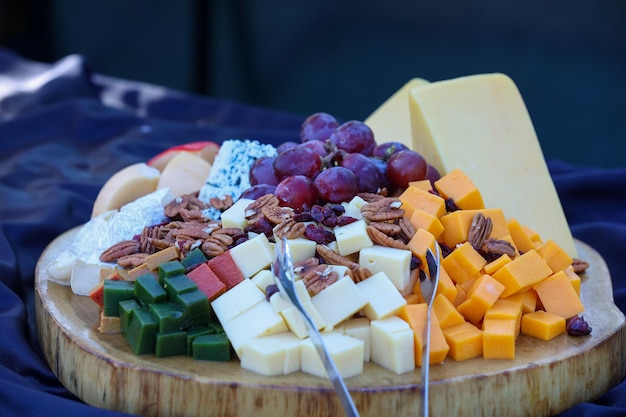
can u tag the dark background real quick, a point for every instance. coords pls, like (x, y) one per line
(568, 57)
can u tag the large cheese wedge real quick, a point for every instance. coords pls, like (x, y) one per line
(391, 121)
(480, 125)
(125, 186)
(185, 173)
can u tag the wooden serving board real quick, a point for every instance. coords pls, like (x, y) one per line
(546, 378)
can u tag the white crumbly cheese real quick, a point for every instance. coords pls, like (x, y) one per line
(230, 174)
(103, 231)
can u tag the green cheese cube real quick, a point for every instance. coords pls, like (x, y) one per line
(194, 257)
(195, 332)
(196, 307)
(212, 347)
(170, 269)
(148, 290)
(178, 284)
(126, 310)
(141, 333)
(171, 344)
(169, 316)
(115, 291)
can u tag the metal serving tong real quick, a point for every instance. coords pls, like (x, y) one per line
(429, 289)
(283, 270)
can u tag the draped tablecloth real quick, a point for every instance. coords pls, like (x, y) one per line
(64, 130)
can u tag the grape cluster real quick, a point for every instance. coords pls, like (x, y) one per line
(332, 163)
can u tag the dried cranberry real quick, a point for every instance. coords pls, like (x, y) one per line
(304, 216)
(271, 290)
(261, 226)
(318, 234)
(415, 262)
(338, 209)
(451, 205)
(344, 220)
(317, 213)
(577, 326)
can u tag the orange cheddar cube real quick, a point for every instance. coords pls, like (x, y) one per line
(463, 263)
(445, 285)
(528, 299)
(423, 220)
(414, 198)
(574, 279)
(465, 341)
(415, 315)
(412, 298)
(457, 224)
(532, 235)
(168, 254)
(521, 238)
(558, 296)
(419, 244)
(554, 255)
(506, 309)
(499, 338)
(458, 187)
(522, 273)
(543, 325)
(446, 312)
(460, 295)
(494, 265)
(425, 185)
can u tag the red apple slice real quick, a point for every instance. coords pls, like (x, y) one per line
(205, 149)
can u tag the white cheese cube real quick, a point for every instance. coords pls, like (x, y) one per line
(293, 318)
(352, 237)
(237, 300)
(340, 270)
(235, 216)
(359, 328)
(383, 298)
(395, 263)
(301, 248)
(263, 279)
(303, 293)
(353, 207)
(253, 255)
(276, 354)
(339, 301)
(392, 344)
(346, 352)
(259, 320)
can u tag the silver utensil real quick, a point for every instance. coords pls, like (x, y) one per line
(283, 270)
(428, 287)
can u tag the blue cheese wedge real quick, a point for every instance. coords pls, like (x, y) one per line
(230, 174)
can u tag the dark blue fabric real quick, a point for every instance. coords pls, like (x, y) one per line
(65, 130)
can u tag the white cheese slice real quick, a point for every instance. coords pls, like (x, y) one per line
(339, 301)
(263, 279)
(393, 344)
(390, 122)
(238, 299)
(253, 255)
(352, 237)
(359, 328)
(235, 215)
(480, 125)
(395, 263)
(346, 352)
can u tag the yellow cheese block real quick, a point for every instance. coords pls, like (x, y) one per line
(391, 121)
(125, 186)
(480, 124)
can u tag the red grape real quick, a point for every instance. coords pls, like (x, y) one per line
(286, 145)
(337, 184)
(385, 150)
(257, 191)
(368, 176)
(316, 146)
(406, 166)
(296, 192)
(297, 161)
(262, 171)
(432, 174)
(317, 126)
(354, 137)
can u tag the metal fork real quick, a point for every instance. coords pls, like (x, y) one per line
(429, 289)
(283, 270)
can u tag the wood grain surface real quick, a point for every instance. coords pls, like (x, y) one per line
(545, 378)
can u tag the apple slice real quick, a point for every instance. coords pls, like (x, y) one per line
(205, 149)
(125, 186)
(184, 174)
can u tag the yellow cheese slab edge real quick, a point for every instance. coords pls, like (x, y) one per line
(480, 124)
(391, 121)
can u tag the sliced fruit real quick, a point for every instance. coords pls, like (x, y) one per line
(125, 186)
(205, 149)
(184, 174)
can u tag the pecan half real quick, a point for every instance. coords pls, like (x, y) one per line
(356, 271)
(371, 197)
(499, 247)
(277, 214)
(254, 211)
(223, 203)
(386, 209)
(290, 229)
(380, 238)
(579, 265)
(319, 277)
(386, 228)
(132, 261)
(479, 230)
(119, 250)
(407, 230)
